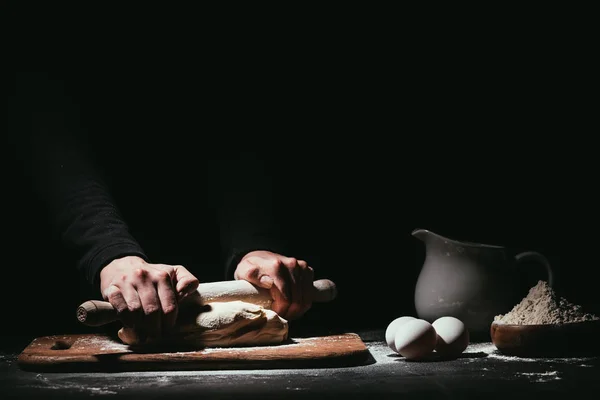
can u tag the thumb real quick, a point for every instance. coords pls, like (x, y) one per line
(185, 282)
(265, 281)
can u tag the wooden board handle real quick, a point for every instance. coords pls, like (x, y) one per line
(97, 312)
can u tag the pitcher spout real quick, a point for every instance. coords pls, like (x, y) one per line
(428, 236)
(422, 234)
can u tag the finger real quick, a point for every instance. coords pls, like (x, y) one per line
(297, 300)
(252, 273)
(134, 313)
(308, 282)
(151, 306)
(185, 282)
(167, 298)
(281, 291)
(282, 281)
(289, 262)
(266, 281)
(115, 297)
(280, 304)
(129, 336)
(305, 284)
(308, 277)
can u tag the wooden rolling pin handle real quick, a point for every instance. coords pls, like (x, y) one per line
(98, 313)
(324, 291)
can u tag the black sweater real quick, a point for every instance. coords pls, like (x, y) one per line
(125, 166)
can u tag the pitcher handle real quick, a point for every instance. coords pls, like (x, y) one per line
(540, 258)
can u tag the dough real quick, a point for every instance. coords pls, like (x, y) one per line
(224, 324)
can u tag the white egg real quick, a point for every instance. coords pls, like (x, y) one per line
(415, 339)
(452, 336)
(390, 332)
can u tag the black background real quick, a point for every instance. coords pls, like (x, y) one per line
(369, 137)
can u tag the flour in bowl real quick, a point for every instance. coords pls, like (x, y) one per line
(543, 306)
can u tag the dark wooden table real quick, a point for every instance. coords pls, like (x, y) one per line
(480, 373)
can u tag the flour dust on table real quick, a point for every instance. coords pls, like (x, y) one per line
(490, 351)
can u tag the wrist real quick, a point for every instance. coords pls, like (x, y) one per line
(251, 253)
(127, 260)
(121, 263)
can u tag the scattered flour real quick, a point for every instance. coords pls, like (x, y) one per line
(541, 376)
(543, 306)
(382, 353)
(93, 341)
(475, 352)
(45, 383)
(7, 358)
(491, 352)
(85, 342)
(306, 343)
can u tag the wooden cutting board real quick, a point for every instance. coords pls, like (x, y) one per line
(100, 352)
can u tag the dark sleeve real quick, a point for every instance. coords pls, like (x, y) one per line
(246, 205)
(52, 148)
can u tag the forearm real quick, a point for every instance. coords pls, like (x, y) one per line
(50, 144)
(246, 208)
(90, 227)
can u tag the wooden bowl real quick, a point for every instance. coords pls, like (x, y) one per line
(580, 339)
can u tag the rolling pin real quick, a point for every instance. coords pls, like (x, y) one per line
(97, 312)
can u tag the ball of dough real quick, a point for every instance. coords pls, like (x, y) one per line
(223, 324)
(415, 339)
(390, 332)
(452, 336)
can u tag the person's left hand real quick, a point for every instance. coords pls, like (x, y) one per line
(289, 280)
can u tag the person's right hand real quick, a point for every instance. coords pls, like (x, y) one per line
(145, 295)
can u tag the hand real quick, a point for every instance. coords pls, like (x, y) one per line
(146, 296)
(289, 280)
